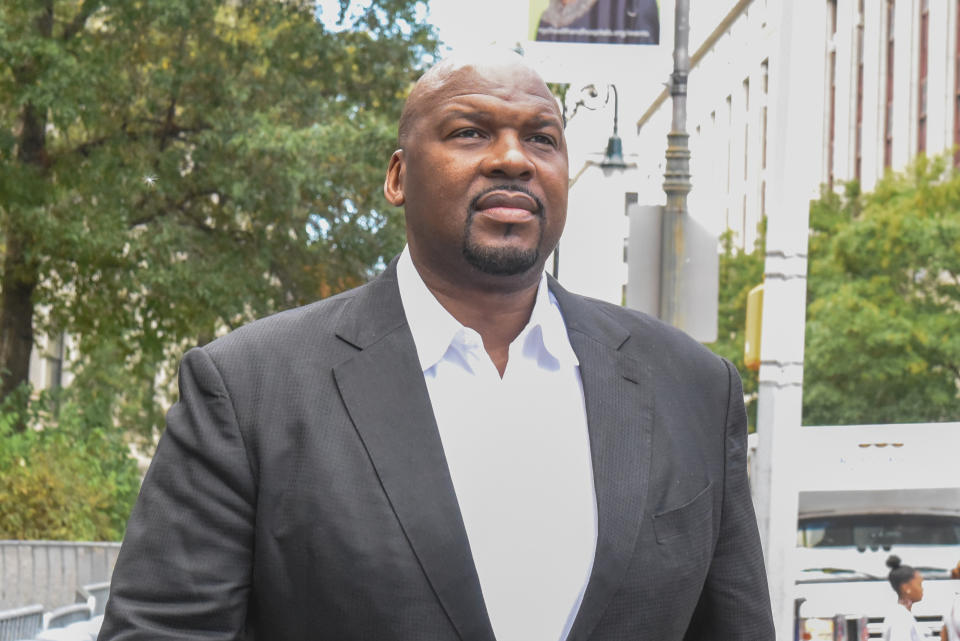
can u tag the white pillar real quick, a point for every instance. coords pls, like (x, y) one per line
(797, 83)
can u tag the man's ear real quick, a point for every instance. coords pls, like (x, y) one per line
(393, 184)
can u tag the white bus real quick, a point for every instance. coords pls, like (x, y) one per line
(866, 492)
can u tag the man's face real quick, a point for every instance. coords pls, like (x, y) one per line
(483, 173)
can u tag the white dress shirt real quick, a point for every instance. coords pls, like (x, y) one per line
(518, 452)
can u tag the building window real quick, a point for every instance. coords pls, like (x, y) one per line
(746, 129)
(888, 106)
(832, 104)
(729, 103)
(763, 199)
(729, 138)
(922, 98)
(832, 121)
(858, 134)
(54, 364)
(765, 84)
(956, 91)
(743, 226)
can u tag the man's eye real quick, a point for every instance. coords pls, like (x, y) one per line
(543, 139)
(467, 133)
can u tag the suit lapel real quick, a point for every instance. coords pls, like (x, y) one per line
(619, 420)
(383, 389)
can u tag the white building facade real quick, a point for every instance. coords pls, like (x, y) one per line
(891, 91)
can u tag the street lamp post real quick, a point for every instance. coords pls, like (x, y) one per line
(613, 158)
(676, 182)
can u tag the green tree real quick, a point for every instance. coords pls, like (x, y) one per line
(173, 168)
(75, 482)
(739, 273)
(883, 328)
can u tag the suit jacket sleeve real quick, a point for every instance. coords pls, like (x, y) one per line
(184, 569)
(735, 602)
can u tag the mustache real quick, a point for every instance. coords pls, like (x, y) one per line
(475, 201)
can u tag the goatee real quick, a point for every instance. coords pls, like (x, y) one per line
(500, 261)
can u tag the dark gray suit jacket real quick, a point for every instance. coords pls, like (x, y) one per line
(300, 491)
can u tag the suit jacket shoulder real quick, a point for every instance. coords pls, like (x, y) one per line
(644, 338)
(287, 331)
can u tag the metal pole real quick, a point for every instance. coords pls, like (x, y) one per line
(616, 108)
(676, 182)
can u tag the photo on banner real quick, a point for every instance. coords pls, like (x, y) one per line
(623, 22)
(596, 42)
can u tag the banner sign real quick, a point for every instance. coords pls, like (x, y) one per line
(597, 41)
(623, 22)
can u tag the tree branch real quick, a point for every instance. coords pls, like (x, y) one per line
(181, 206)
(144, 220)
(169, 128)
(79, 20)
(126, 134)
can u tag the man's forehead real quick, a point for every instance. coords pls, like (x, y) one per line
(491, 72)
(500, 76)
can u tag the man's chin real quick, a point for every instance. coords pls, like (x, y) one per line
(501, 261)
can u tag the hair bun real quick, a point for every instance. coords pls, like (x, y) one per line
(893, 562)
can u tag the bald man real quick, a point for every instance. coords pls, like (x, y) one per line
(460, 449)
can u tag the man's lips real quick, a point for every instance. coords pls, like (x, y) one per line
(508, 206)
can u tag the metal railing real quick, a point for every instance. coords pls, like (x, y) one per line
(22, 623)
(49, 572)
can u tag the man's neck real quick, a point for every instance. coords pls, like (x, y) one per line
(498, 314)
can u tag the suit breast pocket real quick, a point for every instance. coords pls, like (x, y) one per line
(694, 515)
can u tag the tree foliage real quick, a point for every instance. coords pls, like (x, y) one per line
(883, 328)
(170, 169)
(75, 482)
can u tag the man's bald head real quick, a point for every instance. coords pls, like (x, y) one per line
(481, 173)
(491, 62)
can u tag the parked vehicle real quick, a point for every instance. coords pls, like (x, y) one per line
(845, 538)
(866, 492)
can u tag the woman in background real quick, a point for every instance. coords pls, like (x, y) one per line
(900, 625)
(951, 620)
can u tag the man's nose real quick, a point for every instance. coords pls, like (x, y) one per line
(507, 158)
